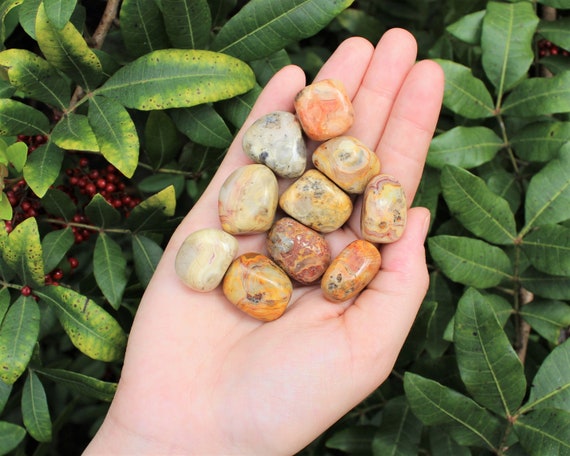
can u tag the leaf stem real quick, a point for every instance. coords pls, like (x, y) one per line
(188, 174)
(88, 227)
(510, 152)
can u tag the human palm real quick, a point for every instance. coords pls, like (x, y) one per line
(201, 377)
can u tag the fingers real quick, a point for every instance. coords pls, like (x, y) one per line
(393, 58)
(409, 129)
(379, 320)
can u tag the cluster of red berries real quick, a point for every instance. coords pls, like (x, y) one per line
(24, 203)
(33, 142)
(547, 48)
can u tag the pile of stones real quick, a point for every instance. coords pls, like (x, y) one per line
(318, 201)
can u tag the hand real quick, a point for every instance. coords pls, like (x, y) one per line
(201, 377)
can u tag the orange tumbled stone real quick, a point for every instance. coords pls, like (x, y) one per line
(347, 162)
(315, 201)
(351, 271)
(324, 109)
(302, 252)
(384, 210)
(257, 286)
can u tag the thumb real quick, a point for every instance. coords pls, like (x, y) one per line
(380, 319)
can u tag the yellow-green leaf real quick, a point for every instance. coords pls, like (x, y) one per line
(73, 132)
(23, 253)
(177, 78)
(42, 167)
(18, 118)
(91, 328)
(18, 337)
(35, 411)
(151, 213)
(109, 269)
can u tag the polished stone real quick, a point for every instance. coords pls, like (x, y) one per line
(324, 109)
(351, 271)
(315, 201)
(257, 286)
(248, 200)
(204, 257)
(276, 140)
(384, 210)
(347, 162)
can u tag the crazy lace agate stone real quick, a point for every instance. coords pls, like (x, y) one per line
(248, 200)
(384, 210)
(324, 109)
(347, 162)
(204, 257)
(276, 140)
(300, 251)
(351, 271)
(257, 286)
(315, 201)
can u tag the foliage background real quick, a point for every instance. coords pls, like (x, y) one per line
(486, 369)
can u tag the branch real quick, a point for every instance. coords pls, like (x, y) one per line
(109, 16)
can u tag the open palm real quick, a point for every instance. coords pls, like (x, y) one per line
(201, 377)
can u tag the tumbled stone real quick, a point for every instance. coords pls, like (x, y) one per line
(324, 109)
(300, 251)
(351, 271)
(204, 257)
(384, 210)
(257, 286)
(315, 201)
(248, 200)
(347, 162)
(276, 141)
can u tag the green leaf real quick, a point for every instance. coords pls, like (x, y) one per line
(73, 132)
(203, 125)
(545, 431)
(506, 43)
(66, 50)
(266, 68)
(162, 139)
(10, 435)
(158, 182)
(467, 422)
(541, 141)
(101, 213)
(35, 411)
(262, 27)
(399, 432)
(548, 195)
(109, 268)
(506, 185)
(35, 77)
(354, 440)
(142, 27)
(468, 27)
(548, 249)
(539, 96)
(59, 11)
(4, 306)
(6, 211)
(24, 253)
(546, 285)
(27, 14)
(5, 391)
(55, 245)
(556, 64)
(83, 385)
(551, 384)
(428, 192)
(187, 23)
(556, 31)
(18, 336)
(488, 365)
(178, 78)
(91, 329)
(152, 212)
(441, 444)
(470, 261)
(17, 118)
(481, 211)
(464, 94)
(116, 134)
(562, 4)
(5, 7)
(547, 318)
(42, 167)
(361, 23)
(57, 203)
(146, 255)
(238, 108)
(17, 154)
(466, 147)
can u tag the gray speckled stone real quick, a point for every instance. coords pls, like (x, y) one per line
(276, 140)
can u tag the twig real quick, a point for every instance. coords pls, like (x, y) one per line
(109, 16)
(524, 329)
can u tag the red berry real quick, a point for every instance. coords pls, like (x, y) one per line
(110, 188)
(26, 205)
(101, 183)
(26, 290)
(73, 262)
(83, 162)
(57, 274)
(90, 189)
